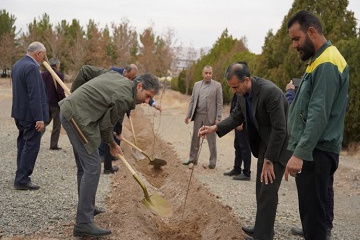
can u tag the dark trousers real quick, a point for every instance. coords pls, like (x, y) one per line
(88, 175)
(266, 202)
(28, 145)
(242, 152)
(312, 184)
(329, 203)
(104, 149)
(54, 111)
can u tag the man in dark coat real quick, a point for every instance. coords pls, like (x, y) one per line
(30, 111)
(55, 94)
(264, 108)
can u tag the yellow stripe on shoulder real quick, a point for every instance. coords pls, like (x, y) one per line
(330, 55)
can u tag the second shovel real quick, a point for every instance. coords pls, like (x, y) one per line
(156, 161)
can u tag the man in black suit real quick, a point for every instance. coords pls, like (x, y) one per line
(30, 111)
(264, 108)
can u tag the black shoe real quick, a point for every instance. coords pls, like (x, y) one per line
(188, 162)
(211, 166)
(28, 186)
(328, 234)
(242, 177)
(98, 210)
(89, 229)
(248, 238)
(297, 231)
(232, 173)
(55, 148)
(248, 230)
(112, 170)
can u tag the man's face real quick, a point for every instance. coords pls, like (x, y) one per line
(40, 56)
(239, 87)
(142, 95)
(301, 42)
(207, 74)
(130, 75)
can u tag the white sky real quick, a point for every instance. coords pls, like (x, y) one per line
(197, 23)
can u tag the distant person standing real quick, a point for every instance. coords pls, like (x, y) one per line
(316, 121)
(30, 111)
(242, 150)
(205, 108)
(55, 94)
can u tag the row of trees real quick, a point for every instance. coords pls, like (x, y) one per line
(279, 63)
(118, 45)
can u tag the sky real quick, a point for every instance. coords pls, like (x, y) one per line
(196, 23)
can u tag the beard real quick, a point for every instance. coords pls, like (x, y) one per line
(307, 50)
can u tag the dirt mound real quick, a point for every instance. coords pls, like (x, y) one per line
(203, 217)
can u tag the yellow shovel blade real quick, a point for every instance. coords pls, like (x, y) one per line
(158, 205)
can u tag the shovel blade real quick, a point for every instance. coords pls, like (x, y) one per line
(137, 154)
(158, 205)
(157, 163)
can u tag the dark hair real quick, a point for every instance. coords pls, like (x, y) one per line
(238, 69)
(306, 19)
(149, 82)
(127, 68)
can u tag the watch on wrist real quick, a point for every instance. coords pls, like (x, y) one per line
(267, 161)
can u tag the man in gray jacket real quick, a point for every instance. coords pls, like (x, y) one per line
(205, 108)
(88, 115)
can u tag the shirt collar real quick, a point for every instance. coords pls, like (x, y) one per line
(33, 60)
(319, 52)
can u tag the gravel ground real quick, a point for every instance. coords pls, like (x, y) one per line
(28, 212)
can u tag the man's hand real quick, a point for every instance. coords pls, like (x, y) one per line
(118, 136)
(40, 126)
(293, 167)
(205, 130)
(290, 85)
(187, 120)
(157, 107)
(115, 149)
(240, 127)
(267, 173)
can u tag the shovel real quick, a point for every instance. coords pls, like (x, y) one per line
(156, 161)
(155, 202)
(136, 154)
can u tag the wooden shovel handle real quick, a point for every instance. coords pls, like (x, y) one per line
(132, 129)
(126, 163)
(56, 77)
(132, 145)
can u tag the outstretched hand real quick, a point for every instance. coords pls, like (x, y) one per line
(205, 130)
(157, 107)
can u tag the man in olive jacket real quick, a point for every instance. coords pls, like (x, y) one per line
(88, 115)
(264, 108)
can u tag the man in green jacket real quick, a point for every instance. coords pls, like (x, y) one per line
(88, 115)
(316, 120)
